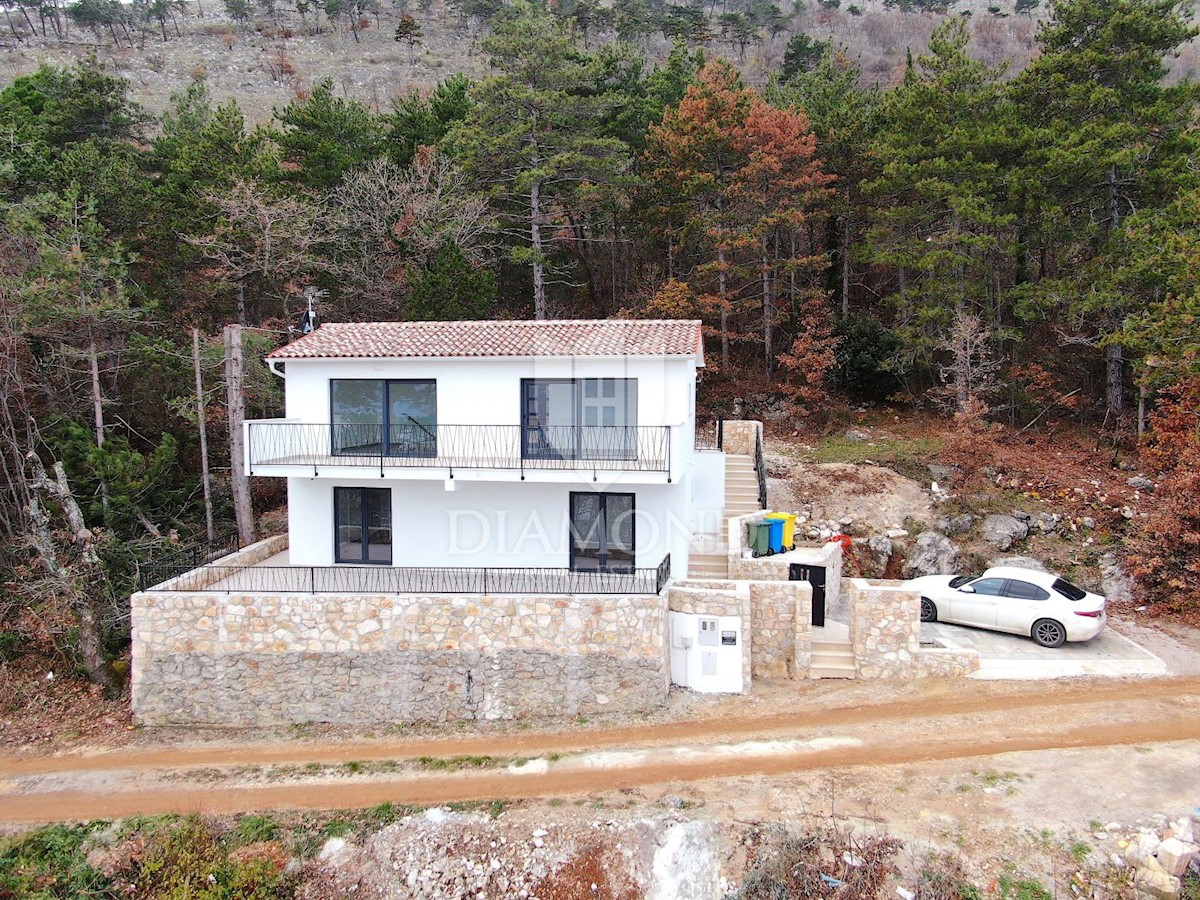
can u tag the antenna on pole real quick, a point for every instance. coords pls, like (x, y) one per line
(308, 321)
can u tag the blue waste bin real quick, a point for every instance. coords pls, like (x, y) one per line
(775, 537)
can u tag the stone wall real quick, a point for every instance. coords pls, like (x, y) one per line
(775, 568)
(776, 621)
(781, 623)
(740, 436)
(885, 635)
(265, 659)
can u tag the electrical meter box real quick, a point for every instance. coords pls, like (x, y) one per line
(706, 653)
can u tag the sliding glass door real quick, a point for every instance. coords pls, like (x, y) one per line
(383, 418)
(602, 532)
(586, 418)
(412, 418)
(362, 525)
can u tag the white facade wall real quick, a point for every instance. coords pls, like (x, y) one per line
(517, 524)
(706, 482)
(492, 518)
(487, 391)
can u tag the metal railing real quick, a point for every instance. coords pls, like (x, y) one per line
(189, 557)
(640, 448)
(403, 580)
(709, 436)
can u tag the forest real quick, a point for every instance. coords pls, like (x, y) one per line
(990, 244)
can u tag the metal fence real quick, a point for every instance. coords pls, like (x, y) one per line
(612, 447)
(189, 557)
(708, 435)
(404, 580)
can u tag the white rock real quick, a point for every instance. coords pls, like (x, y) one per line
(905, 894)
(331, 847)
(1155, 884)
(1174, 855)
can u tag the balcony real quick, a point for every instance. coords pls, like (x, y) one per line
(515, 448)
(272, 575)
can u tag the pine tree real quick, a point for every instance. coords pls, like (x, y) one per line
(941, 223)
(533, 138)
(1111, 139)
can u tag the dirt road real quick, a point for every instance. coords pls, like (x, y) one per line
(952, 720)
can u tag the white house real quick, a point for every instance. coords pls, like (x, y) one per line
(483, 518)
(531, 449)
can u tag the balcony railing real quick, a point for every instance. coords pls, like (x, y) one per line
(389, 580)
(627, 448)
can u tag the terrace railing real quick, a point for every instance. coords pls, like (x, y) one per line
(431, 580)
(630, 448)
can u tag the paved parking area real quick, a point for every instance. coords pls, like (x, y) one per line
(1006, 656)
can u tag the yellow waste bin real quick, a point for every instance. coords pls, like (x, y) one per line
(789, 528)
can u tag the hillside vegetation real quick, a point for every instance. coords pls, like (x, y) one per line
(1013, 249)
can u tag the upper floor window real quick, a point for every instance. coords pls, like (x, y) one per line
(374, 417)
(581, 418)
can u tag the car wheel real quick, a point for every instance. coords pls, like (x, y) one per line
(1049, 633)
(928, 610)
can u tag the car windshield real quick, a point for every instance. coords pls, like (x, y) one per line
(960, 580)
(1068, 590)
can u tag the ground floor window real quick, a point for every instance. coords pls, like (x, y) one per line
(602, 532)
(362, 525)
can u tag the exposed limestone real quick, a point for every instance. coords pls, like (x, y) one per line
(931, 554)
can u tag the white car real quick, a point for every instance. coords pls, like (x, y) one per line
(1019, 601)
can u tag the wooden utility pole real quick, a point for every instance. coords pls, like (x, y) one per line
(242, 508)
(201, 424)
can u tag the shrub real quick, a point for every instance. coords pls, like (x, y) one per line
(865, 367)
(49, 863)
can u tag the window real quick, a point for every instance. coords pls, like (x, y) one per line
(383, 418)
(993, 587)
(1068, 590)
(362, 525)
(1023, 590)
(586, 418)
(602, 533)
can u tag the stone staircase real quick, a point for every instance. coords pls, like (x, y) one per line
(741, 486)
(709, 558)
(831, 653)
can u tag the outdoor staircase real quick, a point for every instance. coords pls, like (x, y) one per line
(741, 486)
(711, 558)
(831, 653)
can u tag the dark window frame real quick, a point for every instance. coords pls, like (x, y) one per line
(366, 541)
(571, 531)
(385, 413)
(617, 450)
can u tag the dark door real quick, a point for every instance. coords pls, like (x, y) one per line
(602, 532)
(815, 576)
(362, 525)
(548, 426)
(411, 417)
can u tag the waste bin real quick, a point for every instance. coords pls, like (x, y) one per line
(760, 538)
(775, 534)
(789, 528)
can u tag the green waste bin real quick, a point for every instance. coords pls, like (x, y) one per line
(789, 528)
(760, 538)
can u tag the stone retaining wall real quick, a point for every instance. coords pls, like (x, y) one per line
(266, 659)
(776, 621)
(781, 616)
(885, 635)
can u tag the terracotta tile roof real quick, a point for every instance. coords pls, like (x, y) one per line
(561, 337)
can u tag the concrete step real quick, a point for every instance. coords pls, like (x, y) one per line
(826, 645)
(831, 671)
(719, 572)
